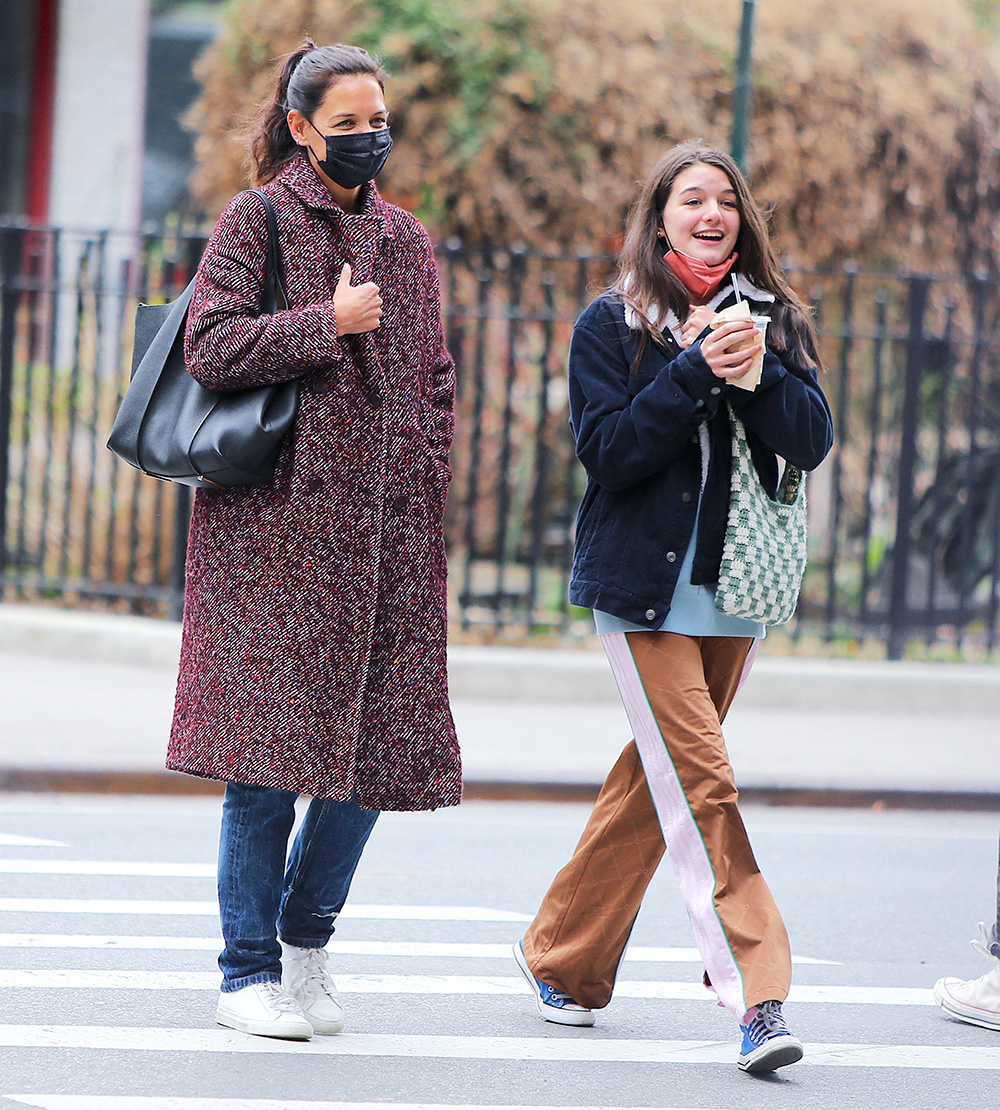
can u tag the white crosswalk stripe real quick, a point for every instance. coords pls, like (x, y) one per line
(131, 1102)
(438, 984)
(148, 870)
(15, 840)
(141, 906)
(422, 949)
(581, 1048)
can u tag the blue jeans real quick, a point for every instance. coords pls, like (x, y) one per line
(260, 898)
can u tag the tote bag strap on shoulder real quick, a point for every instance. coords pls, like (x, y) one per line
(173, 319)
(274, 291)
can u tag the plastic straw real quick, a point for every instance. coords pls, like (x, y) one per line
(736, 289)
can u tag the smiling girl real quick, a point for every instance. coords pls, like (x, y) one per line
(650, 389)
(313, 657)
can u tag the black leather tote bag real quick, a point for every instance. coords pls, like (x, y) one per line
(170, 427)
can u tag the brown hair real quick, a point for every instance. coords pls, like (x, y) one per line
(647, 284)
(305, 78)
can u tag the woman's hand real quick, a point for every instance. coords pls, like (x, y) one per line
(698, 319)
(717, 349)
(358, 307)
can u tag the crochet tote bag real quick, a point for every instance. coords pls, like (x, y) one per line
(764, 552)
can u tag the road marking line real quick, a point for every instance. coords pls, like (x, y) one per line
(34, 979)
(429, 949)
(134, 1102)
(584, 1047)
(12, 840)
(211, 909)
(107, 867)
(108, 906)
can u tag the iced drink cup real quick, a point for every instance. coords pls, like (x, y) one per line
(741, 311)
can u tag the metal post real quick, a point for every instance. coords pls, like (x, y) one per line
(837, 477)
(910, 416)
(742, 88)
(11, 240)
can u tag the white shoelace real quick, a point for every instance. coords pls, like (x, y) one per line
(983, 946)
(768, 1022)
(315, 977)
(279, 999)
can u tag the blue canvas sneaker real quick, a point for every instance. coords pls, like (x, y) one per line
(553, 1005)
(767, 1044)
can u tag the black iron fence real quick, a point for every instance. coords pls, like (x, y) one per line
(904, 517)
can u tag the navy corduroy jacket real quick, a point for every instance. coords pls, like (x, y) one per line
(637, 436)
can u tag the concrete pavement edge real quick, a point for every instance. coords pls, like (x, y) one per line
(82, 781)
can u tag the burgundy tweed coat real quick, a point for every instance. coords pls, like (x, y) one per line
(313, 653)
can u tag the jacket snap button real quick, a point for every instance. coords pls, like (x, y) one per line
(671, 557)
(650, 614)
(715, 390)
(686, 498)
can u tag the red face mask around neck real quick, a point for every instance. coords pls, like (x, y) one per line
(699, 277)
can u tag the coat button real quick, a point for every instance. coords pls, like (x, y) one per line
(671, 557)
(650, 614)
(715, 390)
(686, 498)
(399, 503)
(314, 485)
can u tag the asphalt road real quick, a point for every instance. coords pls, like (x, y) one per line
(109, 939)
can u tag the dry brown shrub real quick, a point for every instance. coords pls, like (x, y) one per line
(875, 131)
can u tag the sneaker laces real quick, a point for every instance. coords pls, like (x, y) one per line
(279, 999)
(768, 1022)
(983, 946)
(315, 977)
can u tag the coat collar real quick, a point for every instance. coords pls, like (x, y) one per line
(302, 180)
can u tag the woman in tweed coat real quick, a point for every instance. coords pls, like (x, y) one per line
(313, 657)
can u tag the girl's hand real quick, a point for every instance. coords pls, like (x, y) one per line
(718, 351)
(358, 307)
(698, 319)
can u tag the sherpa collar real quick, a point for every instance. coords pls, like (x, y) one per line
(725, 291)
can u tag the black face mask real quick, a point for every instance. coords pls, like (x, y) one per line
(353, 159)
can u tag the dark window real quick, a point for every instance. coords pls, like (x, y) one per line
(17, 48)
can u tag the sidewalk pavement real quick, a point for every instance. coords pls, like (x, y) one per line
(86, 702)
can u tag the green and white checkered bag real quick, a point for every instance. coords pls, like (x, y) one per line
(764, 552)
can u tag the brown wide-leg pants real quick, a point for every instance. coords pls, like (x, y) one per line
(672, 786)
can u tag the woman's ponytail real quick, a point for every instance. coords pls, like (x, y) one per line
(272, 144)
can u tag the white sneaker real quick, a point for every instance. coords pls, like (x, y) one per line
(264, 1010)
(305, 976)
(976, 1001)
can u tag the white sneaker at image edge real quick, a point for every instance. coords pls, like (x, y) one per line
(975, 1001)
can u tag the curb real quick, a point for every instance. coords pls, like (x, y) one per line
(535, 675)
(171, 783)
